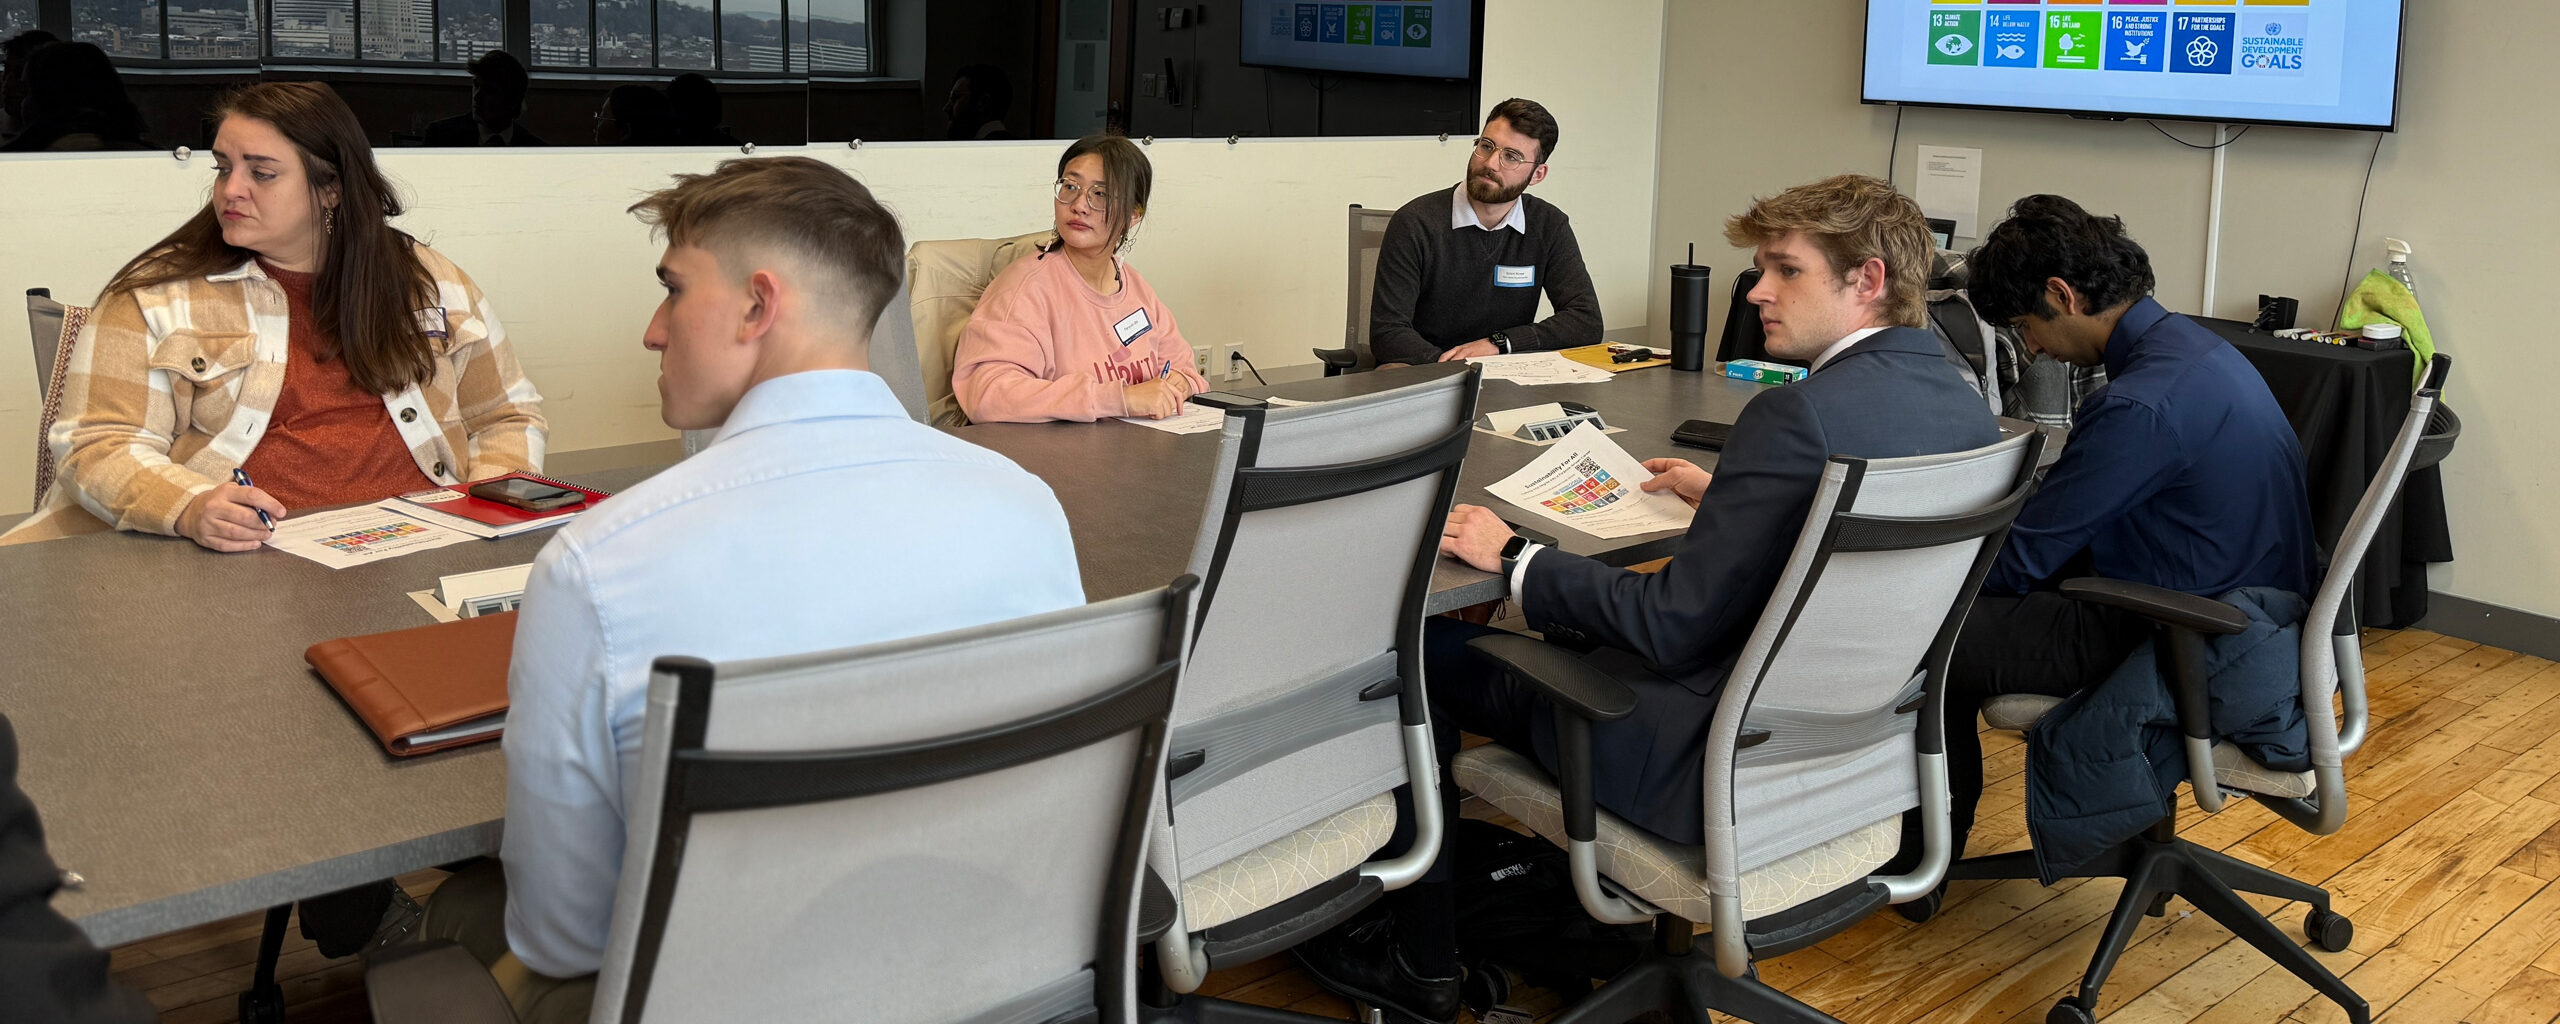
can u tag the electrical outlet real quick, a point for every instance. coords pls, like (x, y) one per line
(1229, 367)
(1200, 362)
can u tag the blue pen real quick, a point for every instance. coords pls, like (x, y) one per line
(241, 477)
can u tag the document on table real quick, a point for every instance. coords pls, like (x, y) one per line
(1540, 368)
(359, 536)
(1507, 423)
(1194, 419)
(1589, 483)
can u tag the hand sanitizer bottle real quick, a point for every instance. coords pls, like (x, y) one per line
(2398, 263)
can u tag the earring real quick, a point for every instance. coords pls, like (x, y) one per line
(328, 220)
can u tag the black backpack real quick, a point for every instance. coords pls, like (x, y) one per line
(1520, 923)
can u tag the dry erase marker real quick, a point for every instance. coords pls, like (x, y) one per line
(241, 477)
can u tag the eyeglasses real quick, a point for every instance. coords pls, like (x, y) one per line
(1068, 191)
(1510, 157)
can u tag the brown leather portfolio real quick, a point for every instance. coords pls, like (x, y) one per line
(425, 689)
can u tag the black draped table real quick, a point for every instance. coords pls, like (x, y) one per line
(2346, 405)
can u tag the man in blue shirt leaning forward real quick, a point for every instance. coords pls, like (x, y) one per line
(819, 517)
(2181, 472)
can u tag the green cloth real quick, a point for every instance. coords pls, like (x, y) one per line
(2381, 300)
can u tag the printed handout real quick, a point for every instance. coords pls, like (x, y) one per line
(1589, 483)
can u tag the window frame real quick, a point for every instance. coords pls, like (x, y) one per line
(59, 19)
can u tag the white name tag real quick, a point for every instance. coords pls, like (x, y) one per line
(1514, 277)
(1132, 327)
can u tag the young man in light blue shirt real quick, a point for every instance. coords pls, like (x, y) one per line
(819, 517)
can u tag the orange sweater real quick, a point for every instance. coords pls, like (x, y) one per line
(329, 442)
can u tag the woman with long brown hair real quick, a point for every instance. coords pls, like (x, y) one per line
(289, 331)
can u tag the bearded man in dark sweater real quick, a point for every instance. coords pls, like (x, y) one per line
(1460, 270)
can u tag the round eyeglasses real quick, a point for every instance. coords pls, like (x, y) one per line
(1068, 191)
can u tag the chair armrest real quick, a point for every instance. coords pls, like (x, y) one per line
(2161, 605)
(1338, 358)
(1575, 686)
(1587, 693)
(433, 983)
(1155, 907)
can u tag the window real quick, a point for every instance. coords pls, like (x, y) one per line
(839, 36)
(397, 30)
(752, 36)
(213, 30)
(123, 28)
(468, 28)
(684, 35)
(313, 28)
(560, 33)
(622, 34)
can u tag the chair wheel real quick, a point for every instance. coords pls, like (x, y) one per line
(1919, 911)
(2330, 931)
(2068, 1011)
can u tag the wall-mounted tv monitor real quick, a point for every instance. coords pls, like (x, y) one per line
(1412, 40)
(2322, 63)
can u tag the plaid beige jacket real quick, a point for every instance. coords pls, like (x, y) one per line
(168, 389)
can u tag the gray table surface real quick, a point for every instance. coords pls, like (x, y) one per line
(187, 763)
(191, 767)
(1095, 471)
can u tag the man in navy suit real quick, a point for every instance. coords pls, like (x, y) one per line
(1844, 262)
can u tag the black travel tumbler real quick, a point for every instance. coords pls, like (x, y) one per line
(1689, 314)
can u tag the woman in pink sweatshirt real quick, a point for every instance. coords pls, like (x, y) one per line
(1074, 333)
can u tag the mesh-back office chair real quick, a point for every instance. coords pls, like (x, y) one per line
(945, 280)
(54, 328)
(1828, 729)
(1304, 708)
(2159, 865)
(1368, 235)
(893, 357)
(941, 829)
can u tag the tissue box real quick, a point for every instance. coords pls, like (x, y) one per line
(1763, 373)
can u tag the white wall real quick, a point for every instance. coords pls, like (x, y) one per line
(2472, 180)
(1245, 242)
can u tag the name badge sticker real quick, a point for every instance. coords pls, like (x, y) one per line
(1514, 277)
(1132, 327)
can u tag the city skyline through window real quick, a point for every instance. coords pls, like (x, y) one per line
(752, 36)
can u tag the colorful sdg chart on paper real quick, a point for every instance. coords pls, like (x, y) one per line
(355, 543)
(2242, 37)
(1363, 24)
(1596, 488)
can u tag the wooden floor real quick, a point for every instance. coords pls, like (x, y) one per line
(2447, 865)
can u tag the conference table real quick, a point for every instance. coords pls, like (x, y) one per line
(190, 767)
(2346, 405)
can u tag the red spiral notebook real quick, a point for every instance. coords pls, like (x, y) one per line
(455, 508)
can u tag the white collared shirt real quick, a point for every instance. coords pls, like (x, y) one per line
(819, 517)
(1843, 344)
(1462, 214)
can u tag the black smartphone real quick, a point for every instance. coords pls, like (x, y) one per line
(529, 495)
(1226, 400)
(1706, 434)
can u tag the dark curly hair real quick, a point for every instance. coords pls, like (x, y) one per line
(2047, 237)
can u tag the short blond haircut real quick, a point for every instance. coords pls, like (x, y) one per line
(1852, 218)
(793, 206)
